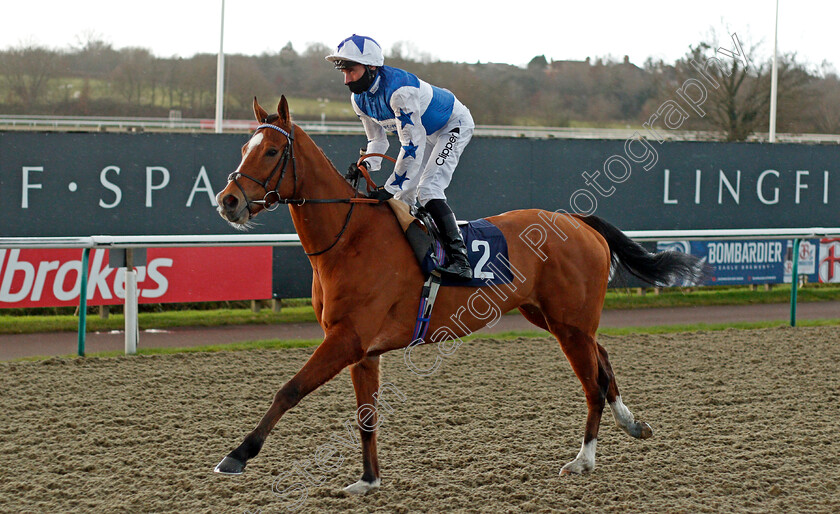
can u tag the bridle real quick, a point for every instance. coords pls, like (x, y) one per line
(272, 199)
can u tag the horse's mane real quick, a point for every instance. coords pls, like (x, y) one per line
(274, 117)
(332, 164)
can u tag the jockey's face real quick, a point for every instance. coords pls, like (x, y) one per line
(353, 73)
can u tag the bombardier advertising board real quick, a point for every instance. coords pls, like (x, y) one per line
(764, 262)
(82, 184)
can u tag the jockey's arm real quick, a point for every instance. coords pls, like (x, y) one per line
(407, 110)
(377, 138)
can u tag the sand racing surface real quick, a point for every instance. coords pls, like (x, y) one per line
(744, 421)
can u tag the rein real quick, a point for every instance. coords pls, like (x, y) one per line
(369, 184)
(272, 198)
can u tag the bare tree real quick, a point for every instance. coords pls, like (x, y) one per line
(134, 73)
(244, 81)
(27, 69)
(730, 91)
(93, 56)
(824, 108)
(199, 80)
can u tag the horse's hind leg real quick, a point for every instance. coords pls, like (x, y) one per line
(591, 364)
(365, 376)
(581, 351)
(533, 315)
(622, 415)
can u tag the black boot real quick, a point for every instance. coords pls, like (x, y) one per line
(459, 266)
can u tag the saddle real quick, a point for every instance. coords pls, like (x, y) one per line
(487, 248)
(421, 233)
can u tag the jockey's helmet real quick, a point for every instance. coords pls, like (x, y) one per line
(357, 49)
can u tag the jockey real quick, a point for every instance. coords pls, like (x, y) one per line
(433, 128)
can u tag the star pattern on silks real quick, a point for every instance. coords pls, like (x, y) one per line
(405, 118)
(359, 41)
(400, 179)
(410, 150)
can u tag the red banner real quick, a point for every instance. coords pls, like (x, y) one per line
(52, 278)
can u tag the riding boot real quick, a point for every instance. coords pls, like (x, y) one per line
(459, 266)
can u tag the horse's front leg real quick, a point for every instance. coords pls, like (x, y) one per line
(340, 349)
(365, 375)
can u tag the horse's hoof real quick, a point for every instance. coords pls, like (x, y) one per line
(575, 468)
(361, 487)
(646, 432)
(230, 466)
(584, 462)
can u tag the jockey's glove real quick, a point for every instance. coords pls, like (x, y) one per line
(381, 194)
(353, 172)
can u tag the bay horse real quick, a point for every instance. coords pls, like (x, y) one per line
(564, 282)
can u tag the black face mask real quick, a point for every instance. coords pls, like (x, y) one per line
(363, 83)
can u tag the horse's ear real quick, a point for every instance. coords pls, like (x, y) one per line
(259, 112)
(283, 109)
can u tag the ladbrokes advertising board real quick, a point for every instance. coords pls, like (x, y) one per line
(52, 278)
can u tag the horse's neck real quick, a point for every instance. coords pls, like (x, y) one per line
(318, 224)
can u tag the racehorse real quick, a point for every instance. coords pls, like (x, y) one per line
(564, 267)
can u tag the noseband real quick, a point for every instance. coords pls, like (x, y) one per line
(272, 199)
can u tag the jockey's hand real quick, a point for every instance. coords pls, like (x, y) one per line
(353, 172)
(380, 193)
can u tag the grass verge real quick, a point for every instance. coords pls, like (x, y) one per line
(161, 320)
(277, 344)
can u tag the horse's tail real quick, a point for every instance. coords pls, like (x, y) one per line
(660, 269)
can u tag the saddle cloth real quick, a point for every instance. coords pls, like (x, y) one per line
(487, 249)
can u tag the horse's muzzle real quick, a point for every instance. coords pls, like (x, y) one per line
(232, 208)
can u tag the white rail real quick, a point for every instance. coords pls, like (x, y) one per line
(41, 122)
(158, 241)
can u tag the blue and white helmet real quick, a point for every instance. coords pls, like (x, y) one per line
(357, 49)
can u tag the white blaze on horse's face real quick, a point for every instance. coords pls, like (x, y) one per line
(253, 143)
(241, 218)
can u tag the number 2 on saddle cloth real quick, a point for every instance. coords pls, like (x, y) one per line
(486, 249)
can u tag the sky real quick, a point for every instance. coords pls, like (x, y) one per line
(450, 30)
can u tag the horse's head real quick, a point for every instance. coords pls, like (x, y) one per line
(261, 181)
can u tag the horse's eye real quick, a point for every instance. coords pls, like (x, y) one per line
(271, 153)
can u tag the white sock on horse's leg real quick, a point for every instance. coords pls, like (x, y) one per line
(585, 460)
(627, 422)
(361, 487)
(623, 417)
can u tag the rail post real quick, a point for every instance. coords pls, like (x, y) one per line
(83, 302)
(794, 281)
(130, 311)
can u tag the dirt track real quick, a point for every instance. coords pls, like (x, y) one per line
(744, 421)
